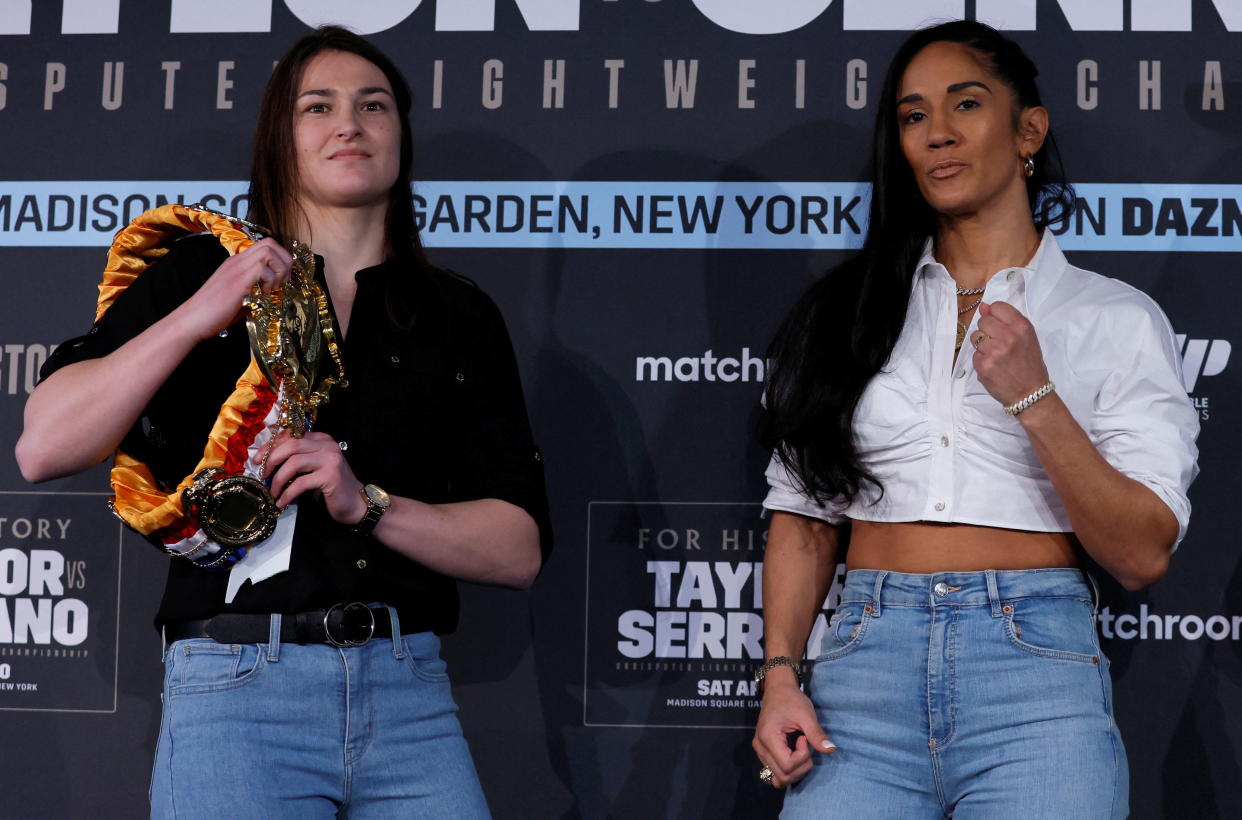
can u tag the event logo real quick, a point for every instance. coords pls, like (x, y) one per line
(1147, 625)
(769, 17)
(777, 16)
(236, 16)
(1202, 357)
(674, 613)
(59, 579)
(708, 367)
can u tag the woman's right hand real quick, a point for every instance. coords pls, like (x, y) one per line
(218, 303)
(786, 710)
(75, 418)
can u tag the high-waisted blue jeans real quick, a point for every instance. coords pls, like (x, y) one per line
(964, 694)
(271, 731)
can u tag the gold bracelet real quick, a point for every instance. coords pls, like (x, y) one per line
(779, 660)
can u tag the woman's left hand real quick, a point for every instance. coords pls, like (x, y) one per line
(315, 463)
(1007, 359)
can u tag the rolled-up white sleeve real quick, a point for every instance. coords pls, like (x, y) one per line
(1143, 422)
(784, 496)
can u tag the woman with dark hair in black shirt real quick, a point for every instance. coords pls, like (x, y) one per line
(319, 689)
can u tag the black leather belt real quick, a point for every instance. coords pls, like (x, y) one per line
(341, 625)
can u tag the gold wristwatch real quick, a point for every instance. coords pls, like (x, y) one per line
(378, 503)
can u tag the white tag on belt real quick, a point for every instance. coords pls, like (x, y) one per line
(267, 558)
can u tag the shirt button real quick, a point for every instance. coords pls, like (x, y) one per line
(959, 373)
(939, 506)
(362, 563)
(395, 359)
(461, 377)
(1009, 276)
(944, 441)
(941, 589)
(224, 334)
(344, 445)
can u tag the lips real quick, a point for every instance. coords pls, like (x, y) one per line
(350, 153)
(946, 169)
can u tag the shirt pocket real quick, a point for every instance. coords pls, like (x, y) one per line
(407, 384)
(398, 417)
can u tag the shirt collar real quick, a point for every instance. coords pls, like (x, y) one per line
(1045, 270)
(1041, 274)
(390, 268)
(927, 259)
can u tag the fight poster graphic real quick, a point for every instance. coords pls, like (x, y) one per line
(60, 570)
(674, 613)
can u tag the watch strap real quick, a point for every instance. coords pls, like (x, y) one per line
(372, 516)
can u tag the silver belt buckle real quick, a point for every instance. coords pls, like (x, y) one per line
(345, 610)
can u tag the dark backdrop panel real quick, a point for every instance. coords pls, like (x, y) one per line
(616, 687)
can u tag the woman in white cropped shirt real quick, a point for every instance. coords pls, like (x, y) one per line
(974, 415)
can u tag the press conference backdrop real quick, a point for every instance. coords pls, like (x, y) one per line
(644, 186)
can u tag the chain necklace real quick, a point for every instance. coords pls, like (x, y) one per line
(961, 328)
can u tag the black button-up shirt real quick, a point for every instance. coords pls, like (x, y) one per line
(433, 411)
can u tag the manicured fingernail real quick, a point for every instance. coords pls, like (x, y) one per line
(828, 747)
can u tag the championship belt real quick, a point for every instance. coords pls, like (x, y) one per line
(223, 506)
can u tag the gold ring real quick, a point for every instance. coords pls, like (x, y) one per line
(765, 774)
(980, 339)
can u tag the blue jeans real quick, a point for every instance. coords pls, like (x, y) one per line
(270, 731)
(964, 694)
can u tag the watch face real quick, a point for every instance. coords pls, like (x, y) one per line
(375, 495)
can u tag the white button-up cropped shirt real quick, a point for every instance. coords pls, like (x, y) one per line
(943, 448)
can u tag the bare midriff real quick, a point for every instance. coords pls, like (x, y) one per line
(925, 547)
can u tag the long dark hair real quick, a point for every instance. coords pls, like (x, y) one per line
(274, 181)
(843, 329)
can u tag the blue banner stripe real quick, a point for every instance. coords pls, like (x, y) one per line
(674, 215)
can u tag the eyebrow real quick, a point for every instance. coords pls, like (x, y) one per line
(331, 92)
(954, 87)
